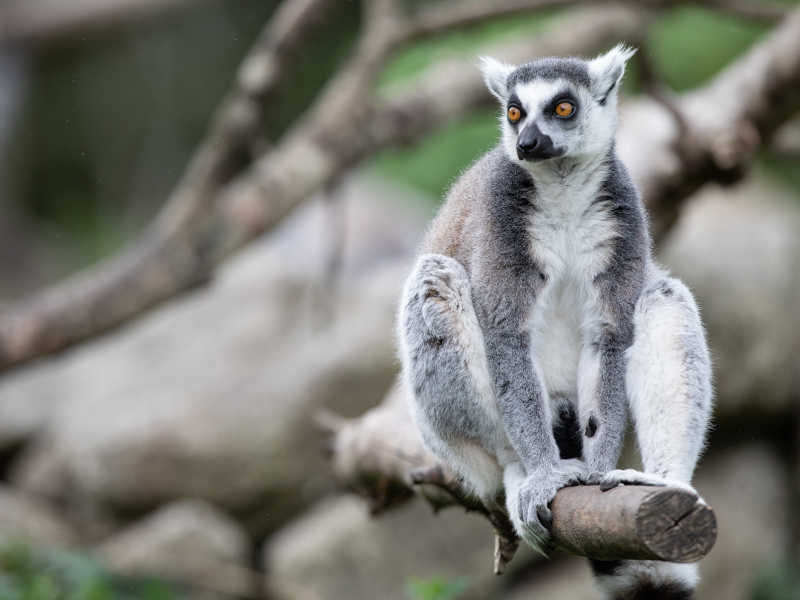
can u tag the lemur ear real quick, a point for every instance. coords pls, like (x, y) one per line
(607, 70)
(495, 74)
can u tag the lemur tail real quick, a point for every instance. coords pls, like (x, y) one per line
(645, 580)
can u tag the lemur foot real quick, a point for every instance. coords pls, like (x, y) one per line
(528, 505)
(443, 290)
(633, 477)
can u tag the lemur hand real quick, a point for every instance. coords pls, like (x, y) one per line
(533, 517)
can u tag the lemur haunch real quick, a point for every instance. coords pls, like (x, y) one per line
(535, 317)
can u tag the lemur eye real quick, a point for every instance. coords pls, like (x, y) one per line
(565, 109)
(514, 114)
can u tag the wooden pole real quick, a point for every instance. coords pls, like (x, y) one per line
(632, 522)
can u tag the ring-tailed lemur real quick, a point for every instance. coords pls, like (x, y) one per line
(535, 317)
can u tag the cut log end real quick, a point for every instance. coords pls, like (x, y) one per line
(633, 522)
(676, 527)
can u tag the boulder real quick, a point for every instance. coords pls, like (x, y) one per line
(738, 249)
(27, 519)
(190, 542)
(749, 489)
(563, 578)
(189, 527)
(338, 551)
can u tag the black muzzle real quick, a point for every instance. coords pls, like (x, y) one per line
(534, 146)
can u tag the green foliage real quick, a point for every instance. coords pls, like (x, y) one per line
(691, 44)
(48, 574)
(787, 168)
(779, 580)
(419, 55)
(437, 588)
(434, 163)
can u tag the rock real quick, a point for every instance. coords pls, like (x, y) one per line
(739, 251)
(186, 541)
(749, 489)
(213, 394)
(563, 578)
(28, 519)
(339, 552)
(184, 527)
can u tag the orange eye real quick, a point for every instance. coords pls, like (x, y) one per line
(564, 109)
(514, 114)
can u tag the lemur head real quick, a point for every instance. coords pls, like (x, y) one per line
(556, 107)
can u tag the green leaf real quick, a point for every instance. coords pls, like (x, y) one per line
(437, 588)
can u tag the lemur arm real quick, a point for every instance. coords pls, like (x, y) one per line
(521, 398)
(607, 406)
(503, 306)
(602, 394)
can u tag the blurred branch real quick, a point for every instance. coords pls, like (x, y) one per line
(726, 122)
(760, 11)
(36, 20)
(41, 20)
(454, 14)
(173, 253)
(786, 140)
(201, 224)
(214, 211)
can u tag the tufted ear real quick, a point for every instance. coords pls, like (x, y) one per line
(607, 70)
(495, 74)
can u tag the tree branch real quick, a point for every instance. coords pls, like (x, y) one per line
(172, 255)
(203, 222)
(456, 14)
(382, 457)
(24, 21)
(206, 218)
(726, 121)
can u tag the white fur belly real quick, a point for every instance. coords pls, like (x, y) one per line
(569, 241)
(558, 339)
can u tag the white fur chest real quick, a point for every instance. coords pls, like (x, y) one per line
(570, 237)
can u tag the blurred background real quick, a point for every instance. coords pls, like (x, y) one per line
(175, 451)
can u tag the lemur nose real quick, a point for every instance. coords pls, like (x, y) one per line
(534, 145)
(528, 145)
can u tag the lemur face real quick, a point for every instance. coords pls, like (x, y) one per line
(557, 107)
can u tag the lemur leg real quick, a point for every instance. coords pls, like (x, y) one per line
(445, 369)
(455, 406)
(669, 387)
(668, 384)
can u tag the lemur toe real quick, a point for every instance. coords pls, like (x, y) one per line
(618, 477)
(545, 516)
(594, 478)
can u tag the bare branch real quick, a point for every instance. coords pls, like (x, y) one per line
(383, 451)
(455, 14)
(750, 99)
(786, 140)
(172, 255)
(746, 9)
(35, 20)
(202, 223)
